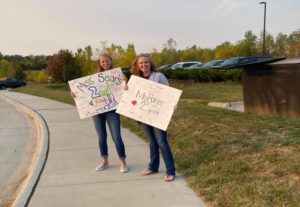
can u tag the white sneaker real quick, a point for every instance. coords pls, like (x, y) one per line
(124, 169)
(101, 167)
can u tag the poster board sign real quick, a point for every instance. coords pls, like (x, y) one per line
(149, 102)
(98, 93)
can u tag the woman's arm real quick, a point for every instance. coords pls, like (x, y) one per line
(125, 82)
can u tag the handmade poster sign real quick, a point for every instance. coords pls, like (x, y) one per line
(98, 93)
(149, 102)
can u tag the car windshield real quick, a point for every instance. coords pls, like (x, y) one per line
(198, 65)
(188, 64)
(247, 59)
(211, 63)
(230, 61)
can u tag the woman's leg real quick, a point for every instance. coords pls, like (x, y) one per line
(113, 121)
(162, 141)
(100, 126)
(154, 150)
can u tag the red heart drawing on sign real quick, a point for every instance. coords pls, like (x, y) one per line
(133, 102)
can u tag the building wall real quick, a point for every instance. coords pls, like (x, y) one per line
(273, 88)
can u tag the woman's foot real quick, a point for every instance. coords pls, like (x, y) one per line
(147, 172)
(102, 166)
(124, 168)
(169, 178)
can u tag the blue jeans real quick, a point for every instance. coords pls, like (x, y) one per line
(113, 121)
(158, 140)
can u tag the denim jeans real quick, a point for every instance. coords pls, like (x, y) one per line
(114, 124)
(158, 140)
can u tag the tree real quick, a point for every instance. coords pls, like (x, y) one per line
(19, 73)
(224, 51)
(269, 44)
(208, 54)
(191, 54)
(129, 56)
(281, 45)
(247, 46)
(63, 67)
(84, 59)
(7, 69)
(169, 53)
(157, 57)
(294, 44)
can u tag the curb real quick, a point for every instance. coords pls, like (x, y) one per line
(234, 106)
(35, 170)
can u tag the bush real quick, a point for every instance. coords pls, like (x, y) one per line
(204, 75)
(37, 76)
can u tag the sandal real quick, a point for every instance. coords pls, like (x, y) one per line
(169, 178)
(147, 172)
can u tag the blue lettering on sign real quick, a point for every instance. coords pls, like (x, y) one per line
(107, 107)
(110, 78)
(95, 93)
(88, 82)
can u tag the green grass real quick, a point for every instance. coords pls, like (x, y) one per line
(207, 92)
(229, 158)
(57, 92)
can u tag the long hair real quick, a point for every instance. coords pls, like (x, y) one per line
(107, 56)
(135, 68)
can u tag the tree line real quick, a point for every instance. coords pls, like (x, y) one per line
(65, 65)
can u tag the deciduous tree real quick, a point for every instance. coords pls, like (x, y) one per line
(63, 67)
(247, 46)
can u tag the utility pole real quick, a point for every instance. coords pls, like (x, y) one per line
(264, 31)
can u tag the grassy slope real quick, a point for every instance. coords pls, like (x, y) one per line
(228, 158)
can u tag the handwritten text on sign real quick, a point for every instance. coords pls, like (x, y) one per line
(97, 93)
(149, 102)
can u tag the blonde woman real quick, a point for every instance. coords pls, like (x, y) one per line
(105, 62)
(144, 67)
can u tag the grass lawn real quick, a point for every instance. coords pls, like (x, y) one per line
(229, 158)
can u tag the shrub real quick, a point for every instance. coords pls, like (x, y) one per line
(204, 75)
(37, 76)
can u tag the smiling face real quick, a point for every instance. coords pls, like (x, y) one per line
(105, 62)
(144, 65)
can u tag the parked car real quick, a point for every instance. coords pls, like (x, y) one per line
(184, 64)
(212, 63)
(237, 62)
(195, 66)
(126, 72)
(11, 83)
(165, 67)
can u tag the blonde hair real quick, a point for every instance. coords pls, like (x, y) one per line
(135, 68)
(107, 56)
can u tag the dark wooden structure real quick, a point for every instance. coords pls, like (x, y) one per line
(273, 88)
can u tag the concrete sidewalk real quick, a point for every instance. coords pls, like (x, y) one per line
(69, 178)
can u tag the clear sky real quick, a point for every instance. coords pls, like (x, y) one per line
(42, 27)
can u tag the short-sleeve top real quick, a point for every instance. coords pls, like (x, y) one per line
(159, 78)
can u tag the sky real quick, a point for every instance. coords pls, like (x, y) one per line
(43, 27)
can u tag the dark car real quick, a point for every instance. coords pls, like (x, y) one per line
(212, 63)
(11, 83)
(237, 62)
(195, 66)
(126, 72)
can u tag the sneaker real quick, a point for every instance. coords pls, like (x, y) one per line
(101, 167)
(124, 169)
